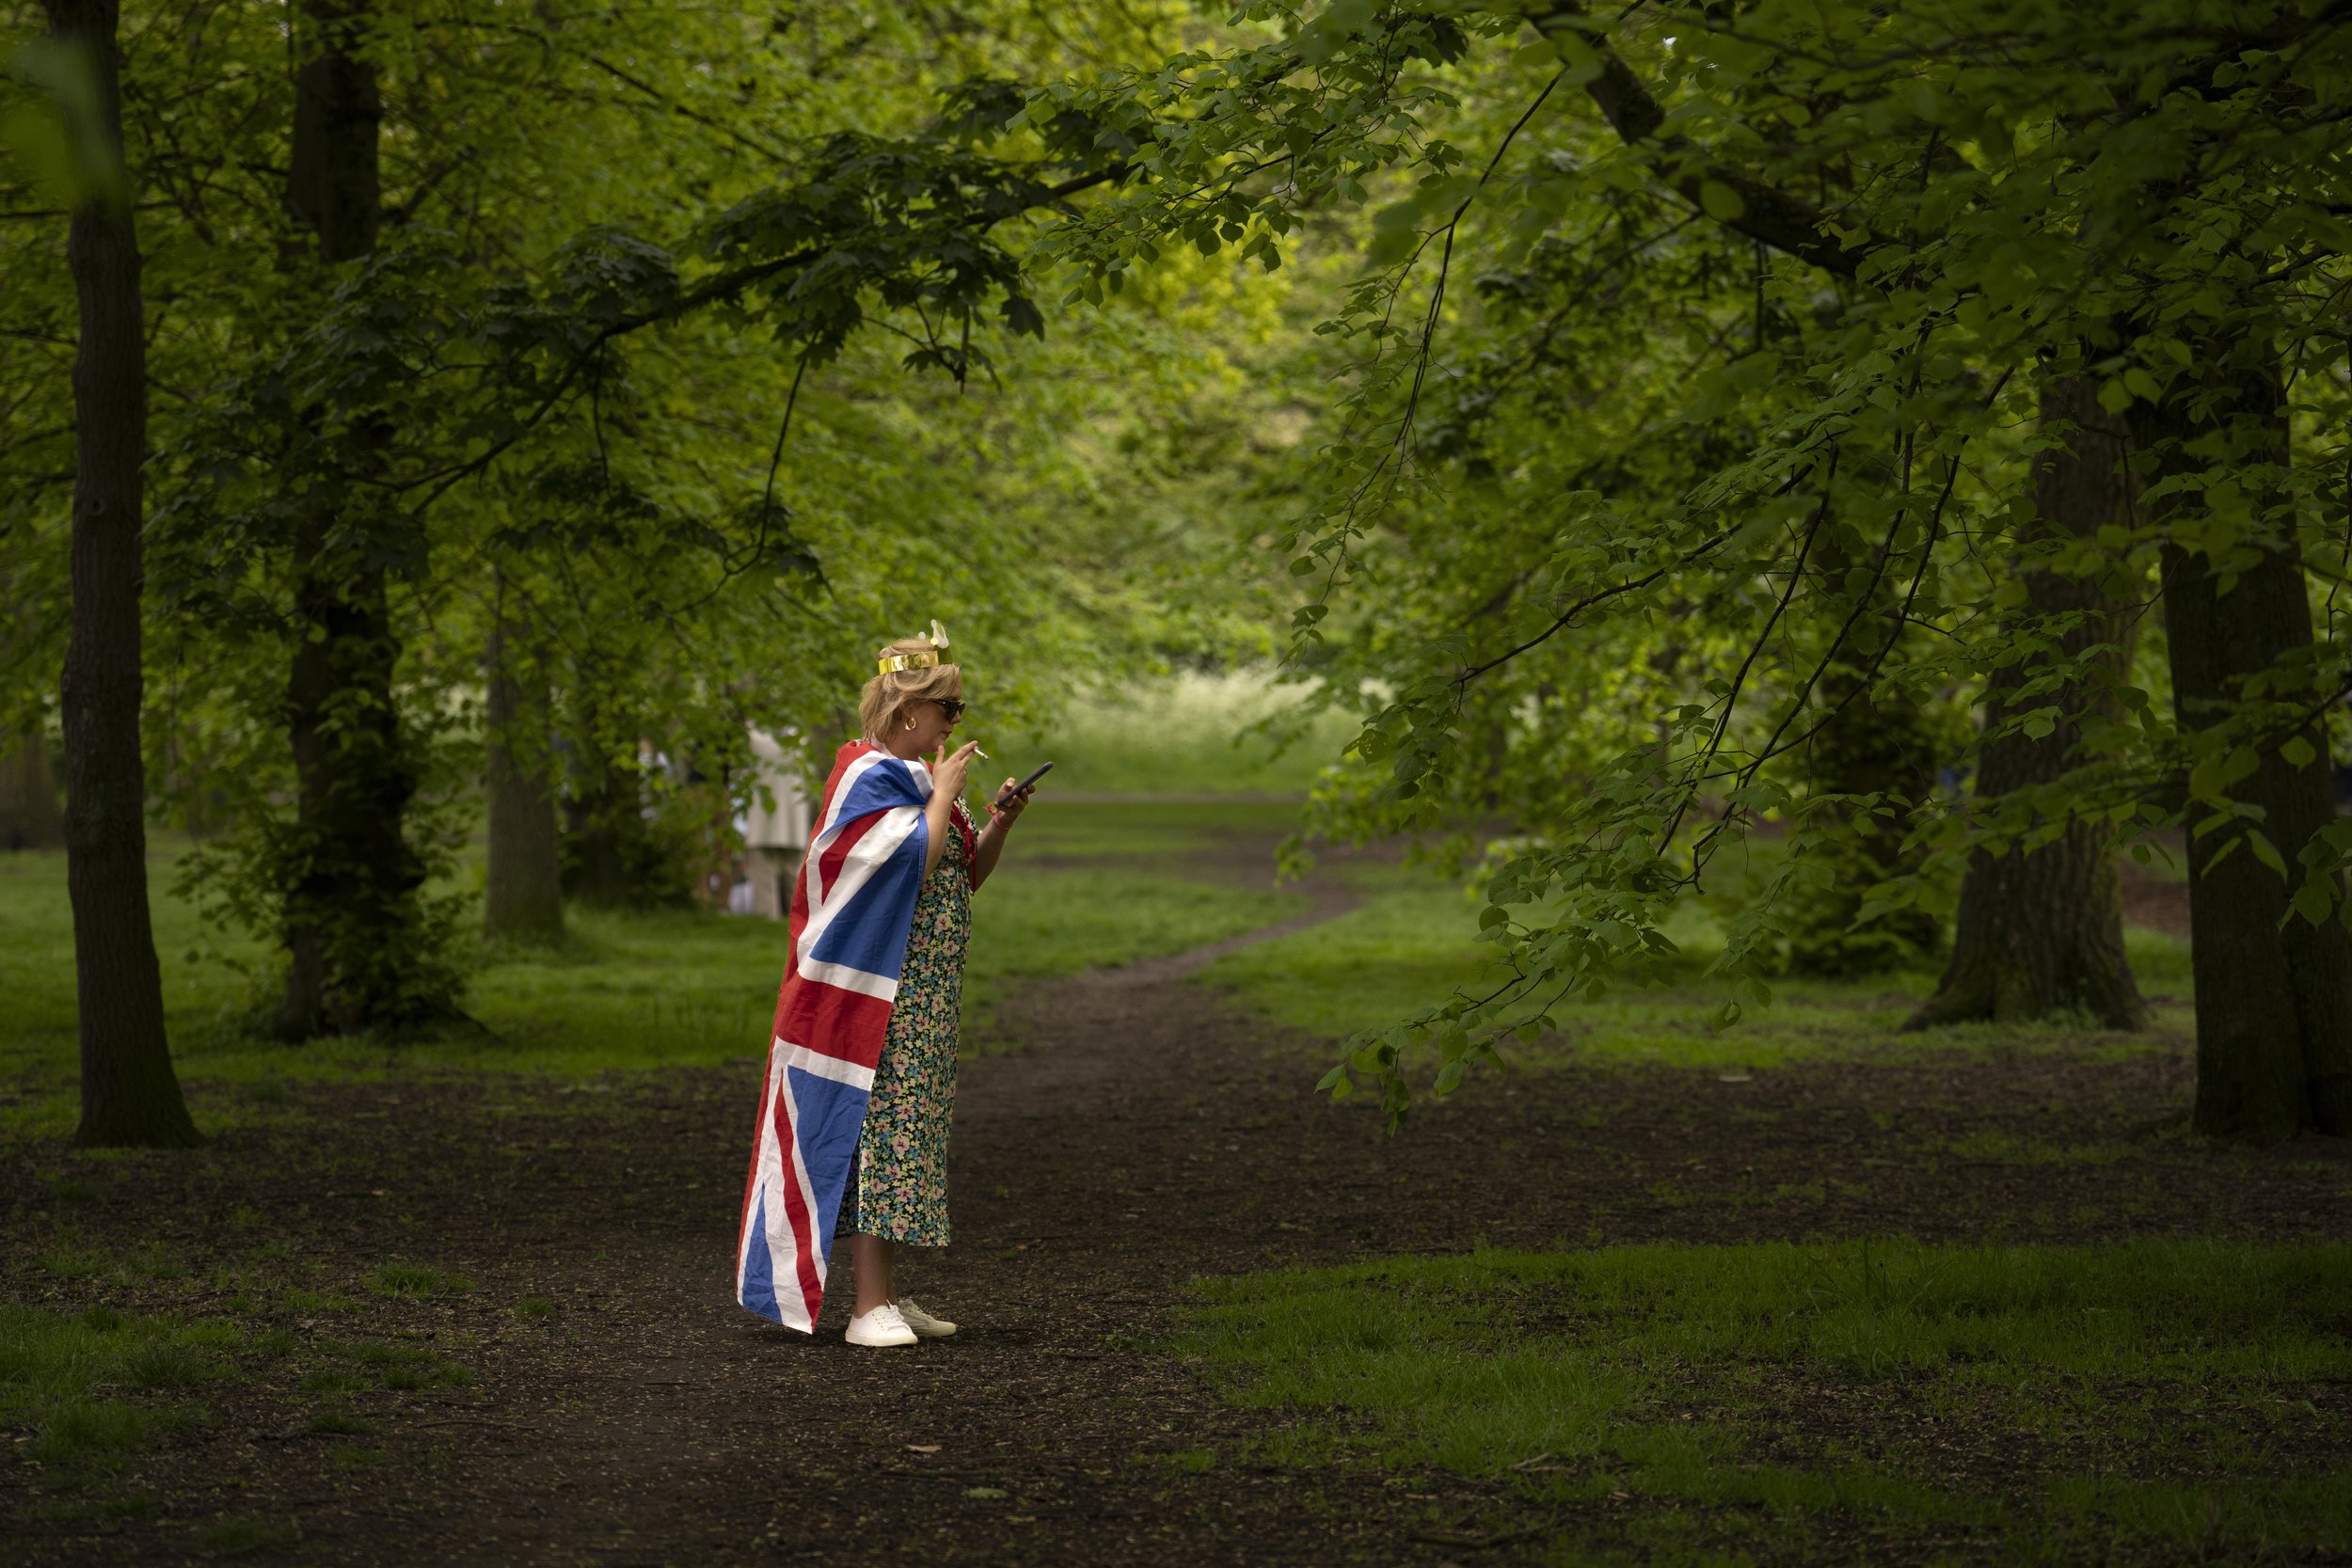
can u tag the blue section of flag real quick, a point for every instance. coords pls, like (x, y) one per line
(870, 933)
(889, 782)
(759, 1275)
(830, 1116)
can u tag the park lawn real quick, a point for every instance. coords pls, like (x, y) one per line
(1855, 1400)
(1186, 735)
(624, 992)
(1412, 943)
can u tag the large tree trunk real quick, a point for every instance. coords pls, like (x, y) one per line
(29, 817)
(351, 913)
(525, 896)
(129, 1094)
(350, 909)
(2041, 931)
(2274, 992)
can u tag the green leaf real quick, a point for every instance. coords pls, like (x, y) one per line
(2265, 851)
(1721, 202)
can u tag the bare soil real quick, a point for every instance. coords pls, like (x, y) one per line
(1146, 1132)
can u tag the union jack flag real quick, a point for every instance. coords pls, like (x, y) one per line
(852, 908)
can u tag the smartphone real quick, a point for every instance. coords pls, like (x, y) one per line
(1024, 784)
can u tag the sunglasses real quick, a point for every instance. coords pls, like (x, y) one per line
(951, 706)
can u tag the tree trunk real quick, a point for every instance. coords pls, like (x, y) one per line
(525, 896)
(350, 909)
(333, 180)
(129, 1094)
(2274, 992)
(352, 918)
(29, 817)
(2041, 931)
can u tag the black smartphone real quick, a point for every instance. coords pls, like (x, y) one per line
(1024, 784)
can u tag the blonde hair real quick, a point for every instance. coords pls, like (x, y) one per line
(887, 696)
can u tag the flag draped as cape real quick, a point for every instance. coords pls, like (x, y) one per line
(852, 905)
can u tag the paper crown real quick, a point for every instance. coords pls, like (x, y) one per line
(937, 654)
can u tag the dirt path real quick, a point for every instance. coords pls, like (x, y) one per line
(1149, 1133)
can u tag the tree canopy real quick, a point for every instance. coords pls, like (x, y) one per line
(1881, 445)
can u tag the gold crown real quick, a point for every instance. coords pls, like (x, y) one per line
(936, 654)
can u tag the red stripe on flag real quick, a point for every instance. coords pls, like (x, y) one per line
(846, 1025)
(796, 1211)
(829, 864)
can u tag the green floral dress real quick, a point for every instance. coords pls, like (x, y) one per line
(899, 1191)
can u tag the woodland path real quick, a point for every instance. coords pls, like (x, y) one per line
(1146, 1132)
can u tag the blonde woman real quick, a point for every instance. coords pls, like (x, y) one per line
(861, 1061)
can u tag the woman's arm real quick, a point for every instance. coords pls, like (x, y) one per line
(936, 832)
(939, 816)
(992, 843)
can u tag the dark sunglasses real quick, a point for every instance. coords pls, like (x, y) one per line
(951, 706)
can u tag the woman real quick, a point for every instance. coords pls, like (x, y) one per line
(861, 1061)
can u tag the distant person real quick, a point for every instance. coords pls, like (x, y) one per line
(861, 1061)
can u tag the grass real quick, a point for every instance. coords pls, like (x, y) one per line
(1187, 735)
(627, 992)
(70, 1380)
(89, 1389)
(2033, 1404)
(1412, 943)
(415, 1282)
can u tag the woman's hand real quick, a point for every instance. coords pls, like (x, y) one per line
(1001, 817)
(948, 772)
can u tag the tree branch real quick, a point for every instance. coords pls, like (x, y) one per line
(1767, 213)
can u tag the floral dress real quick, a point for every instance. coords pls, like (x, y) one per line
(899, 1189)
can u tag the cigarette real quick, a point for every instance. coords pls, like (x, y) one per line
(978, 753)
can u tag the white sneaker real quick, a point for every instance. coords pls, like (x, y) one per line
(882, 1327)
(922, 1321)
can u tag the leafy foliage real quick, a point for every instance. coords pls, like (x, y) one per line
(1723, 443)
(628, 359)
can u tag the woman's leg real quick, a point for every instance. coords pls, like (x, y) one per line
(869, 1264)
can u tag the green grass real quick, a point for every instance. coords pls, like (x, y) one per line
(626, 992)
(1184, 734)
(1412, 944)
(2039, 1403)
(92, 1387)
(415, 1282)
